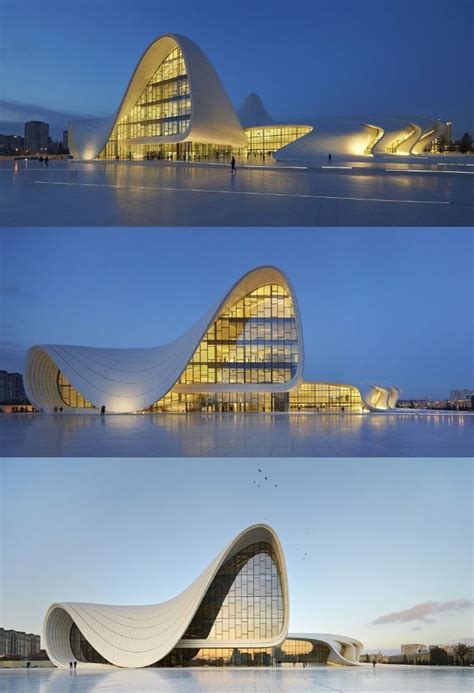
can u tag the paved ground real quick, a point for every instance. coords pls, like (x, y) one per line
(237, 435)
(71, 193)
(384, 678)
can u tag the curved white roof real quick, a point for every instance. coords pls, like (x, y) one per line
(342, 650)
(213, 118)
(361, 137)
(138, 636)
(253, 113)
(128, 380)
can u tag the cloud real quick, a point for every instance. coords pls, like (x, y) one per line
(14, 114)
(424, 611)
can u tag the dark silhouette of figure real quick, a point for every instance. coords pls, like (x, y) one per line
(41, 160)
(329, 158)
(374, 663)
(75, 664)
(60, 410)
(102, 410)
(232, 165)
(28, 664)
(55, 410)
(70, 665)
(46, 161)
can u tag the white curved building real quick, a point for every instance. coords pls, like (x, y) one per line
(235, 613)
(246, 354)
(175, 105)
(365, 137)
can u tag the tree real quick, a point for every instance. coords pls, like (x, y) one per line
(461, 650)
(465, 144)
(439, 656)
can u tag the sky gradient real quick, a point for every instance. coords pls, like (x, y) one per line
(391, 306)
(383, 536)
(305, 58)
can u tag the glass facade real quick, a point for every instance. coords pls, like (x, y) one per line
(295, 651)
(218, 657)
(163, 109)
(69, 395)
(291, 652)
(264, 141)
(245, 600)
(254, 341)
(82, 649)
(325, 397)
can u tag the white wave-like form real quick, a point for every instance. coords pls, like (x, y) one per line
(128, 380)
(138, 636)
(213, 118)
(342, 649)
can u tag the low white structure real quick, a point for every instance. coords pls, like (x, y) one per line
(245, 354)
(199, 626)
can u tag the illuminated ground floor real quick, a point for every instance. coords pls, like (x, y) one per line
(321, 398)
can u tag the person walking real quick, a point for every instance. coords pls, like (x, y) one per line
(75, 664)
(46, 161)
(102, 410)
(70, 665)
(232, 165)
(374, 663)
(329, 158)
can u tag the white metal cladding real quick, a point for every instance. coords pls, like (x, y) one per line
(252, 113)
(138, 636)
(213, 118)
(355, 138)
(381, 398)
(342, 650)
(128, 380)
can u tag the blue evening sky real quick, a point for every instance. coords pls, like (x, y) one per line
(306, 58)
(388, 306)
(383, 536)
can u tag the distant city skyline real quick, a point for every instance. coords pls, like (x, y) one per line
(334, 53)
(385, 306)
(383, 563)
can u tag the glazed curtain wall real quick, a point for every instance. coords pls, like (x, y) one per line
(82, 649)
(245, 600)
(69, 395)
(254, 341)
(164, 108)
(302, 651)
(218, 657)
(325, 397)
(265, 141)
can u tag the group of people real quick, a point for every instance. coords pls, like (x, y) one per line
(58, 410)
(73, 665)
(44, 161)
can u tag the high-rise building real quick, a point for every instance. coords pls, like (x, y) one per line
(65, 139)
(15, 642)
(36, 137)
(11, 388)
